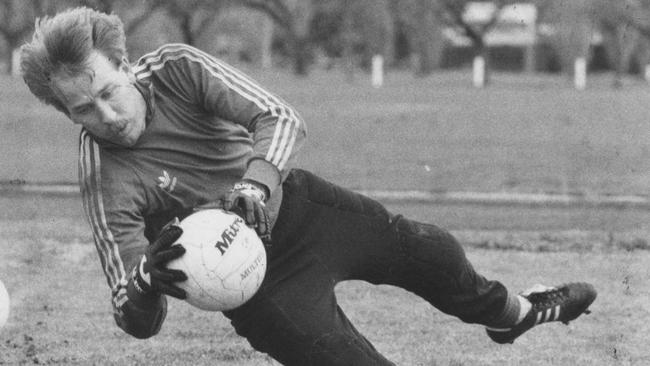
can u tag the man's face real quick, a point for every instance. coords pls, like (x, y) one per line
(104, 100)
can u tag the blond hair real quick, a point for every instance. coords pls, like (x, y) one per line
(63, 43)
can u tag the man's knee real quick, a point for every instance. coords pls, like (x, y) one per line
(440, 272)
(429, 244)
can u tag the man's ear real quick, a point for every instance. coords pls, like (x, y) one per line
(126, 67)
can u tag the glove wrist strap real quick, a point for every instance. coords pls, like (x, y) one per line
(142, 299)
(139, 284)
(250, 189)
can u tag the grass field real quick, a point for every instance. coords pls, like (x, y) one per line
(61, 311)
(522, 134)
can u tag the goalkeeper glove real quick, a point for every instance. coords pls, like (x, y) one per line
(151, 276)
(247, 199)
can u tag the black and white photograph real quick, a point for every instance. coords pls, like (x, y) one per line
(325, 182)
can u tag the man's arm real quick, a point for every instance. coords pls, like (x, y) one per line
(277, 132)
(276, 129)
(226, 94)
(140, 316)
(111, 204)
(144, 310)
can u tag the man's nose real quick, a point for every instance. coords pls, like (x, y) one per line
(106, 113)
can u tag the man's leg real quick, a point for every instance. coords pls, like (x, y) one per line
(471, 297)
(297, 320)
(358, 239)
(433, 265)
(546, 304)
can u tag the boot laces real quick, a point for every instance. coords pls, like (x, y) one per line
(548, 298)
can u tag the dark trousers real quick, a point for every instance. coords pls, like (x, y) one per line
(326, 234)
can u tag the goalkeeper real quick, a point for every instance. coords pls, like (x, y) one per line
(181, 129)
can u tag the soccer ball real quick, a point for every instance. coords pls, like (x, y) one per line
(4, 305)
(224, 261)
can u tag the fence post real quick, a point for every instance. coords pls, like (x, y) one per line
(580, 73)
(478, 71)
(377, 71)
(15, 62)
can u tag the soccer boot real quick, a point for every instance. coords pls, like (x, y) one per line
(563, 303)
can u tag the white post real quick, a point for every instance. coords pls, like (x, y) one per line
(15, 62)
(646, 73)
(530, 57)
(377, 71)
(580, 73)
(478, 71)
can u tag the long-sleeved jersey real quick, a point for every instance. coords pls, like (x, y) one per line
(207, 126)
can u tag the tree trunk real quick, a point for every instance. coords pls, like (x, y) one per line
(185, 21)
(347, 39)
(8, 61)
(429, 39)
(297, 19)
(301, 54)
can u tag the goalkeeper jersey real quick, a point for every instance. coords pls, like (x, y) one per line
(207, 126)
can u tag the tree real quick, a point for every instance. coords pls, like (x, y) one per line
(418, 34)
(354, 31)
(453, 12)
(185, 12)
(293, 17)
(574, 27)
(17, 16)
(625, 26)
(106, 6)
(429, 38)
(17, 23)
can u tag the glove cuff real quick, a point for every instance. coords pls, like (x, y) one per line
(140, 299)
(139, 284)
(251, 189)
(264, 173)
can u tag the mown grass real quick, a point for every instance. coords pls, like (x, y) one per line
(523, 133)
(61, 313)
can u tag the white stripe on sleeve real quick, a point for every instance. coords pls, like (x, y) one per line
(288, 123)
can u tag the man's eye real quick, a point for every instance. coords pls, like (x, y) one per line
(107, 94)
(83, 110)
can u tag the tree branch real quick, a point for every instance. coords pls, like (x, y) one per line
(273, 8)
(136, 22)
(455, 9)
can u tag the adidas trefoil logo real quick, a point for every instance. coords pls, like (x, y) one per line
(167, 183)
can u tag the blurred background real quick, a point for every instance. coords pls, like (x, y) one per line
(420, 35)
(439, 95)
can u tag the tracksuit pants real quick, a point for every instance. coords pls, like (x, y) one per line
(326, 234)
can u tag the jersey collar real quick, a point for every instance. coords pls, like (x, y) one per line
(145, 87)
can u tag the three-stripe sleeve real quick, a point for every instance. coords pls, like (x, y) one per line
(93, 204)
(277, 128)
